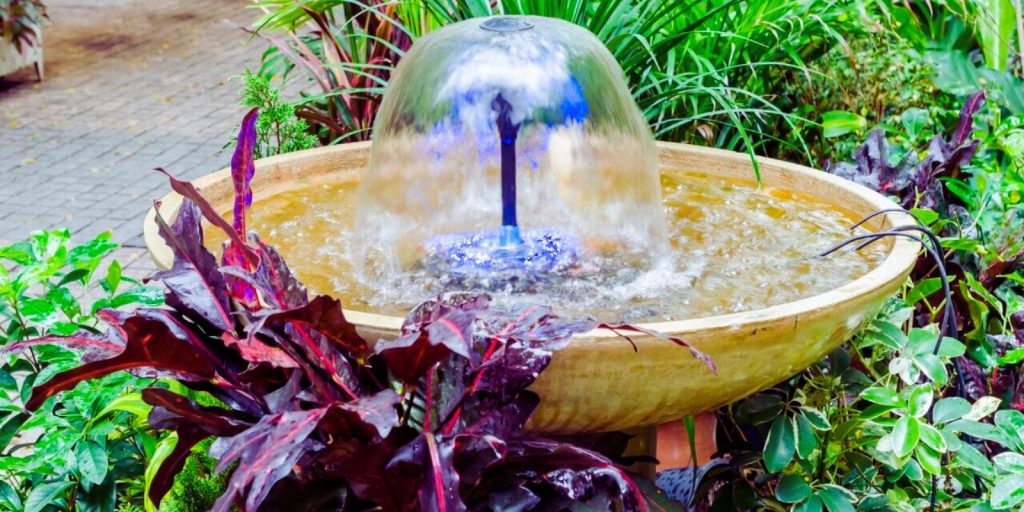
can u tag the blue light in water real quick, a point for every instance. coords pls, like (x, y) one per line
(479, 258)
(574, 105)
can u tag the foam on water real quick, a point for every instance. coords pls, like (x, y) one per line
(734, 247)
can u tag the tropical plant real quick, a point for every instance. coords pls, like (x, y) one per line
(311, 416)
(20, 22)
(88, 448)
(704, 71)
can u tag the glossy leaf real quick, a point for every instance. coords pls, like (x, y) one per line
(780, 447)
(905, 435)
(792, 489)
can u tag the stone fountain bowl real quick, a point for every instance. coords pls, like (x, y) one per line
(599, 383)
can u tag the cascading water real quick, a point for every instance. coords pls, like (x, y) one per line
(509, 155)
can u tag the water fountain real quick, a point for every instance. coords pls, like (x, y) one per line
(508, 157)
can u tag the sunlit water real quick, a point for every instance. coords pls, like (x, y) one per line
(733, 248)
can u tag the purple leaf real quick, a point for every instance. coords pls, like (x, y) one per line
(150, 344)
(265, 454)
(412, 354)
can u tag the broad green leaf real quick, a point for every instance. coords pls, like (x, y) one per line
(45, 494)
(113, 278)
(813, 504)
(881, 396)
(92, 460)
(919, 400)
(806, 440)
(1008, 491)
(1011, 421)
(38, 312)
(905, 435)
(792, 489)
(11, 427)
(932, 437)
(983, 407)
(929, 458)
(951, 347)
(780, 447)
(889, 334)
(837, 123)
(816, 418)
(979, 430)
(836, 499)
(933, 367)
(949, 409)
(924, 288)
(7, 381)
(129, 402)
(1011, 357)
(914, 121)
(74, 276)
(972, 459)
(995, 23)
(1011, 462)
(163, 450)
(873, 411)
(927, 217)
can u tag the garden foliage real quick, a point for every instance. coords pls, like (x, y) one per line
(312, 415)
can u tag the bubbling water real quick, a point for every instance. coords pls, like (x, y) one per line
(734, 247)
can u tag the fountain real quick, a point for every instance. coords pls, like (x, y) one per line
(509, 158)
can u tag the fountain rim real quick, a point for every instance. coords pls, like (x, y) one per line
(902, 254)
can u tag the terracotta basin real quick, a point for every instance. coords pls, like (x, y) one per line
(599, 383)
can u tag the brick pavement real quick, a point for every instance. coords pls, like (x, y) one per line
(130, 85)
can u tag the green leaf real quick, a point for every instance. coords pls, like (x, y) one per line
(1011, 357)
(933, 367)
(792, 489)
(949, 409)
(983, 407)
(163, 450)
(932, 437)
(924, 288)
(38, 312)
(806, 440)
(92, 460)
(11, 427)
(780, 446)
(813, 504)
(929, 458)
(951, 347)
(1008, 491)
(74, 276)
(927, 217)
(45, 494)
(129, 402)
(881, 396)
(1011, 462)
(914, 121)
(837, 123)
(1011, 422)
(969, 457)
(919, 400)
(905, 435)
(889, 334)
(7, 382)
(979, 430)
(836, 499)
(995, 24)
(113, 279)
(816, 418)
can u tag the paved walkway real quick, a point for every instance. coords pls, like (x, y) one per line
(130, 85)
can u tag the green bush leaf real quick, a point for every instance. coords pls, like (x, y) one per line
(837, 123)
(780, 446)
(38, 311)
(929, 458)
(792, 489)
(933, 367)
(1009, 461)
(969, 457)
(1012, 423)
(45, 494)
(1008, 491)
(813, 504)
(932, 437)
(836, 499)
(905, 435)
(919, 400)
(806, 440)
(881, 396)
(949, 409)
(816, 418)
(92, 460)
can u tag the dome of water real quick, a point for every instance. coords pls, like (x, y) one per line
(508, 152)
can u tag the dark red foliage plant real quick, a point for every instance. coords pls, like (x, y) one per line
(313, 416)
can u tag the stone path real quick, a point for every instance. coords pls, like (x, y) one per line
(130, 85)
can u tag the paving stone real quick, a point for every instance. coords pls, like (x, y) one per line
(130, 85)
